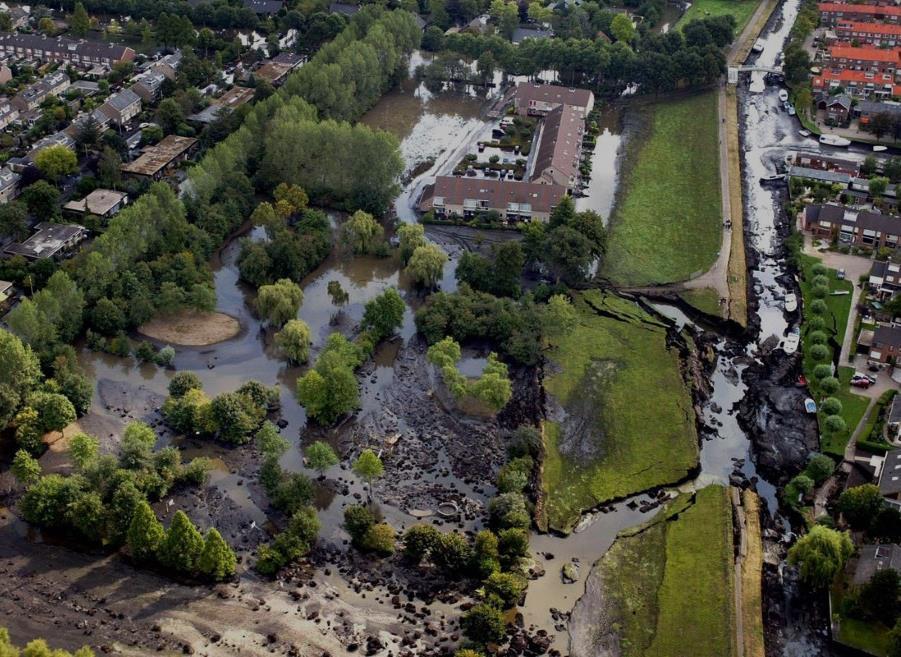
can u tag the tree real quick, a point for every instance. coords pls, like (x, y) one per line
(182, 382)
(42, 199)
(821, 554)
(217, 561)
(83, 449)
(182, 546)
(859, 505)
(362, 233)
(109, 167)
(235, 416)
(383, 314)
(368, 466)
(621, 28)
(483, 624)
(877, 186)
(145, 533)
(426, 265)
(279, 302)
(80, 22)
(329, 390)
(170, 115)
(881, 124)
(321, 456)
(819, 468)
(54, 410)
(411, 237)
(25, 468)
(357, 521)
(107, 317)
(337, 294)
(14, 220)
(56, 161)
(293, 195)
(380, 538)
(878, 598)
(452, 554)
(493, 386)
(294, 341)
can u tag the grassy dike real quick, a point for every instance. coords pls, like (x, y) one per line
(669, 586)
(625, 421)
(668, 224)
(741, 10)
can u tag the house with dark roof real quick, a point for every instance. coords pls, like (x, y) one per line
(885, 278)
(343, 8)
(837, 108)
(122, 107)
(892, 429)
(885, 349)
(873, 558)
(264, 7)
(520, 34)
(32, 96)
(9, 184)
(853, 227)
(149, 85)
(81, 53)
(49, 240)
(867, 110)
(275, 70)
(539, 99)
(560, 147)
(161, 159)
(468, 197)
(833, 12)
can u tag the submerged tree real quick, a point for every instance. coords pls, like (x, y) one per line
(368, 466)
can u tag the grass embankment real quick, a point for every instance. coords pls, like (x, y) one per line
(740, 9)
(737, 268)
(752, 578)
(669, 585)
(668, 224)
(838, 308)
(705, 299)
(191, 328)
(629, 423)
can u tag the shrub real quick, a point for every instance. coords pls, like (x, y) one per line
(819, 468)
(484, 623)
(380, 538)
(819, 269)
(485, 556)
(831, 406)
(820, 280)
(452, 555)
(817, 337)
(822, 371)
(419, 541)
(835, 424)
(514, 476)
(819, 352)
(507, 587)
(818, 307)
(830, 385)
(182, 382)
(509, 510)
(357, 521)
(816, 323)
(513, 544)
(820, 291)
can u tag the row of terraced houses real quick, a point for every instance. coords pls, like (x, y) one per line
(554, 164)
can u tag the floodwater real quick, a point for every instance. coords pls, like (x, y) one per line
(600, 193)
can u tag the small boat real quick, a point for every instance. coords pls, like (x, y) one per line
(791, 110)
(791, 341)
(776, 177)
(810, 405)
(879, 149)
(804, 132)
(791, 302)
(834, 140)
(758, 46)
(783, 95)
(801, 381)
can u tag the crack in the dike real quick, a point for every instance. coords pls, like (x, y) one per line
(640, 322)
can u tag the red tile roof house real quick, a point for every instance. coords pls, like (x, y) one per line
(874, 34)
(857, 84)
(514, 201)
(886, 345)
(831, 13)
(868, 58)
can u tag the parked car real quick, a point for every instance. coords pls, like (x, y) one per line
(840, 274)
(861, 383)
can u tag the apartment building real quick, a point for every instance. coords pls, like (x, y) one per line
(832, 13)
(864, 58)
(81, 53)
(31, 97)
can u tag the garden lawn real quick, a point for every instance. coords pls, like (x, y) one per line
(667, 225)
(669, 585)
(740, 9)
(870, 637)
(838, 309)
(627, 421)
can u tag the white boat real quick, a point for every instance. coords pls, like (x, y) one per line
(791, 302)
(810, 405)
(880, 149)
(791, 341)
(791, 110)
(834, 140)
(758, 46)
(804, 132)
(783, 95)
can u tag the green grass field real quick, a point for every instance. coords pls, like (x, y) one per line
(667, 224)
(740, 9)
(669, 585)
(870, 637)
(838, 309)
(629, 424)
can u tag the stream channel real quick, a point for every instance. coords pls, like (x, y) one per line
(436, 130)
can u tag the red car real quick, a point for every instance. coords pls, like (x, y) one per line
(861, 383)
